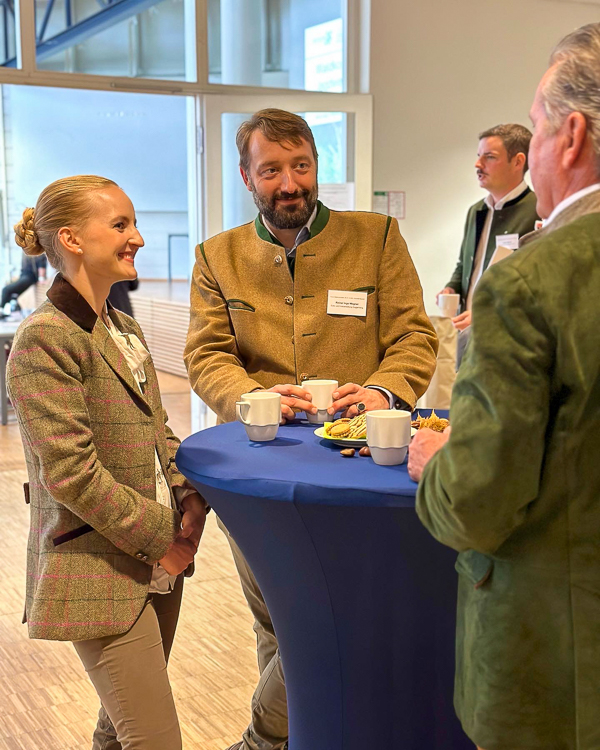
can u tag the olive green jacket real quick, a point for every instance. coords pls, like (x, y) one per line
(517, 216)
(90, 438)
(517, 491)
(254, 326)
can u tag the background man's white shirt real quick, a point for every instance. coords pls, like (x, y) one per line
(571, 199)
(485, 235)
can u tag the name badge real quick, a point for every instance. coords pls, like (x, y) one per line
(346, 303)
(509, 241)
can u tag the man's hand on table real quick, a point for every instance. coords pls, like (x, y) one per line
(425, 444)
(348, 396)
(462, 321)
(293, 396)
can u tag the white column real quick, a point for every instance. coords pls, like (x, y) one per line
(241, 42)
(241, 64)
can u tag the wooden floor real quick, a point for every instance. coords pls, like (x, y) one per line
(46, 700)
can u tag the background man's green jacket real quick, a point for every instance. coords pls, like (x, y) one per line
(518, 216)
(517, 491)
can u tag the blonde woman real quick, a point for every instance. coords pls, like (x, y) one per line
(113, 523)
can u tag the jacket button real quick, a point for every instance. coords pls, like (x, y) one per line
(278, 260)
(292, 339)
(289, 300)
(303, 376)
(139, 555)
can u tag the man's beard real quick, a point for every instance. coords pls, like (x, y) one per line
(286, 217)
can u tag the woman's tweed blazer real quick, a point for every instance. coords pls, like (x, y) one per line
(89, 438)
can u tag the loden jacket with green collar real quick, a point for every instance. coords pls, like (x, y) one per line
(89, 437)
(517, 216)
(253, 325)
(517, 491)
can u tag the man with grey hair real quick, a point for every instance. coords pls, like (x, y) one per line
(515, 486)
(498, 220)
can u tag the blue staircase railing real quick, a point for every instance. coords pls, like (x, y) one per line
(111, 12)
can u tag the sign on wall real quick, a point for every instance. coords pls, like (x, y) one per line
(390, 202)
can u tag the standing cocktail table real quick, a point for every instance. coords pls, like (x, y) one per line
(362, 598)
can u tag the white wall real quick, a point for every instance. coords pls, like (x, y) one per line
(440, 73)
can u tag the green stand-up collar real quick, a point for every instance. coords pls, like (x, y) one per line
(320, 221)
(317, 226)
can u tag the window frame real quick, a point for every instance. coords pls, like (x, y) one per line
(196, 13)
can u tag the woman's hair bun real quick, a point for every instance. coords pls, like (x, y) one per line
(25, 234)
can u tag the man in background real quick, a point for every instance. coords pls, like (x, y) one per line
(506, 213)
(119, 295)
(32, 268)
(515, 486)
(264, 316)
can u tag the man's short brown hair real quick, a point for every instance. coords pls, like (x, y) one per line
(515, 138)
(277, 126)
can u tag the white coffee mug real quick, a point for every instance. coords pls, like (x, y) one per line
(448, 304)
(320, 391)
(260, 413)
(388, 435)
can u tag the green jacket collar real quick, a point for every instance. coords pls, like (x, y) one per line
(482, 205)
(317, 226)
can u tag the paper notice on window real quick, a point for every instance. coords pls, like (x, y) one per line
(337, 196)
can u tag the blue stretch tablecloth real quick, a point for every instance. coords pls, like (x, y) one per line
(362, 599)
(296, 466)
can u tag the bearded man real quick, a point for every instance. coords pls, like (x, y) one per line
(260, 320)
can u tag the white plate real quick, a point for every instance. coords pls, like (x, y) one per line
(348, 442)
(345, 442)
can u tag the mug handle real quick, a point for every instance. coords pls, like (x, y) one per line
(239, 405)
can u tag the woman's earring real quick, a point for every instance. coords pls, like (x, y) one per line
(80, 252)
